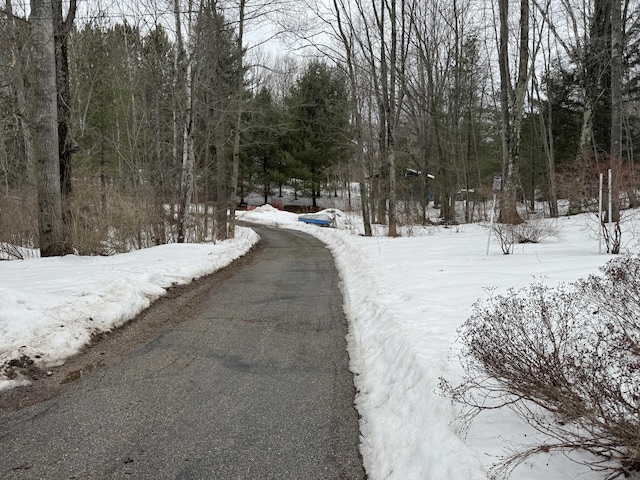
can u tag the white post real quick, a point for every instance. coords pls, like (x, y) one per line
(600, 215)
(493, 214)
(497, 186)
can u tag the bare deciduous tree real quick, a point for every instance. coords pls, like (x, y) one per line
(512, 106)
(45, 128)
(62, 28)
(233, 189)
(188, 155)
(347, 33)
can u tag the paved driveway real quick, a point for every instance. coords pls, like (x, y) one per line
(253, 385)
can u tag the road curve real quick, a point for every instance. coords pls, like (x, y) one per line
(253, 385)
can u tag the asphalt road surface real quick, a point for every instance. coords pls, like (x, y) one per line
(253, 384)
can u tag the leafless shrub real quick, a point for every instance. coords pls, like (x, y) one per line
(533, 230)
(504, 232)
(18, 224)
(612, 234)
(103, 220)
(11, 251)
(567, 361)
(579, 182)
(89, 226)
(107, 221)
(136, 221)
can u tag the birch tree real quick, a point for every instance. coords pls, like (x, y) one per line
(347, 33)
(233, 189)
(616, 87)
(512, 105)
(188, 156)
(615, 161)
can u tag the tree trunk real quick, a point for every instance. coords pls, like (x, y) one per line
(505, 85)
(175, 124)
(188, 159)
(586, 132)
(616, 105)
(222, 191)
(347, 41)
(233, 189)
(188, 154)
(596, 73)
(390, 100)
(46, 130)
(65, 147)
(393, 202)
(616, 82)
(364, 192)
(551, 162)
(512, 108)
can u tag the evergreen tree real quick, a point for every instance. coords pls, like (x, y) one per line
(318, 110)
(215, 88)
(156, 75)
(266, 164)
(563, 91)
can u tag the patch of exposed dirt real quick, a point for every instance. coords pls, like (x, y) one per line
(178, 305)
(21, 367)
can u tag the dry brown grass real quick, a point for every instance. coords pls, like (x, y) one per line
(104, 221)
(18, 224)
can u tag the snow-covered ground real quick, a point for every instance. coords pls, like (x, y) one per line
(50, 307)
(404, 299)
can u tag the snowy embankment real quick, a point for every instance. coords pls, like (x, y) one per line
(397, 379)
(405, 324)
(51, 306)
(405, 299)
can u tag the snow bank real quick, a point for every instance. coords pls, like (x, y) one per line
(397, 384)
(51, 306)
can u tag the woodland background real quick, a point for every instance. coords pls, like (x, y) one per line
(125, 126)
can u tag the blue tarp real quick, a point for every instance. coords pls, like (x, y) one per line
(317, 219)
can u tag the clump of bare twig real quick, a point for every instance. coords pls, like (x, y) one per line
(18, 224)
(567, 361)
(533, 230)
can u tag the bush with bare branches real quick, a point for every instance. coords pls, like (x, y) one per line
(567, 361)
(18, 224)
(104, 221)
(108, 221)
(533, 230)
